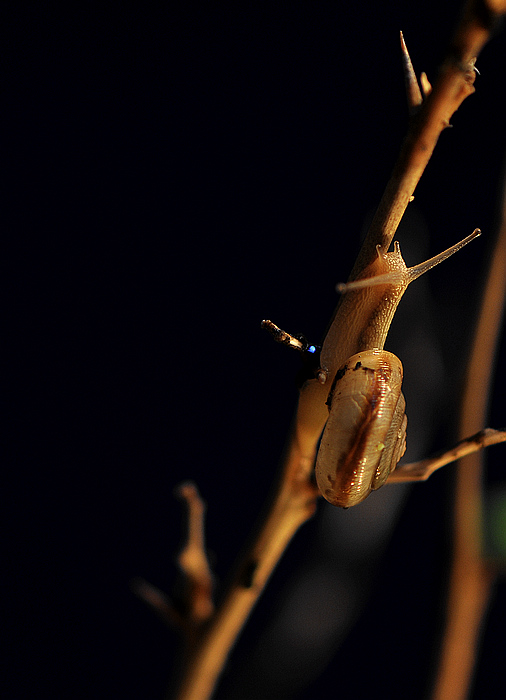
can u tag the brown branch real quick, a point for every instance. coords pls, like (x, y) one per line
(420, 471)
(198, 579)
(193, 559)
(281, 336)
(294, 504)
(472, 576)
(295, 499)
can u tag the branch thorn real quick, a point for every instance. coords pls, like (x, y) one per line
(413, 94)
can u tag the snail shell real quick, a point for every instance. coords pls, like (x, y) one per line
(365, 435)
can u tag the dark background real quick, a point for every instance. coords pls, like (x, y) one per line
(171, 176)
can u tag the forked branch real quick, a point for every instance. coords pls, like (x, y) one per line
(295, 499)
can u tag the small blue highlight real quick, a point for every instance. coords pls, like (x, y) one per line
(312, 348)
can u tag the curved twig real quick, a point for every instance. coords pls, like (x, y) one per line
(420, 471)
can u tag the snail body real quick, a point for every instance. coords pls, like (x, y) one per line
(365, 434)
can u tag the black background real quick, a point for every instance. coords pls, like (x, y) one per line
(171, 176)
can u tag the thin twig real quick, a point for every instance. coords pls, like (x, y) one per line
(420, 471)
(281, 336)
(294, 504)
(158, 601)
(472, 576)
(198, 579)
(193, 559)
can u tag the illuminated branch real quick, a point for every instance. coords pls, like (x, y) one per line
(295, 499)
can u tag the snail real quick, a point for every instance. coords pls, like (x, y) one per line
(365, 434)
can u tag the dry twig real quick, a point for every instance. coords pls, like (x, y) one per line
(472, 575)
(296, 496)
(420, 471)
(193, 559)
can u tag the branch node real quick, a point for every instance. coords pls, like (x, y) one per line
(426, 86)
